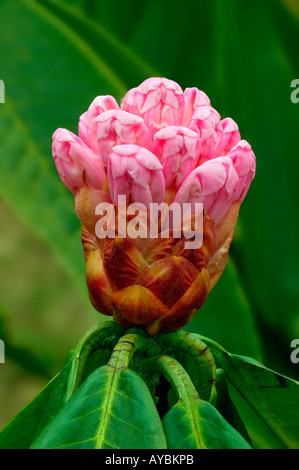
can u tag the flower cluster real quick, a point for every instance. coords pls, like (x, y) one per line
(160, 145)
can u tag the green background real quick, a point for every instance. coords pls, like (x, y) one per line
(55, 57)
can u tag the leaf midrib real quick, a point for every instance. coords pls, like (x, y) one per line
(186, 400)
(111, 384)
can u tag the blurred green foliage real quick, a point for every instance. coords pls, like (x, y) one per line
(56, 56)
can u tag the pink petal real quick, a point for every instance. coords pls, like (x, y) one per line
(213, 183)
(230, 136)
(160, 102)
(119, 127)
(135, 171)
(76, 163)
(206, 123)
(243, 160)
(193, 99)
(87, 123)
(178, 149)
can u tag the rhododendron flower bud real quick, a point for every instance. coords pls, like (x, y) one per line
(135, 171)
(160, 102)
(76, 163)
(158, 185)
(206, 123)
(88, 124)
(119, 127)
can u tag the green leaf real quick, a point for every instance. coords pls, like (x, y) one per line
(19, 355)
(84, 422)
(115, 15)
(98, 339)
(121, 59)
(193, 423)
(21, 431)
(260, 434)
(274, 397)
(110, 410)
(226, 407)
(227, 316)
(34, 417)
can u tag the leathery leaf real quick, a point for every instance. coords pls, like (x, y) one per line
(110, 410)
(193, 423)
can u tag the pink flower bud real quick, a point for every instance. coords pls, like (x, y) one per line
(135, 171)
(119, 127)
(230, 136)
(161, 146)
(87, 122)
(178, 149)
(76, 164)
(243, 160)
(193, 99)
(214, 184)
(160, 102)
(206, 123)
